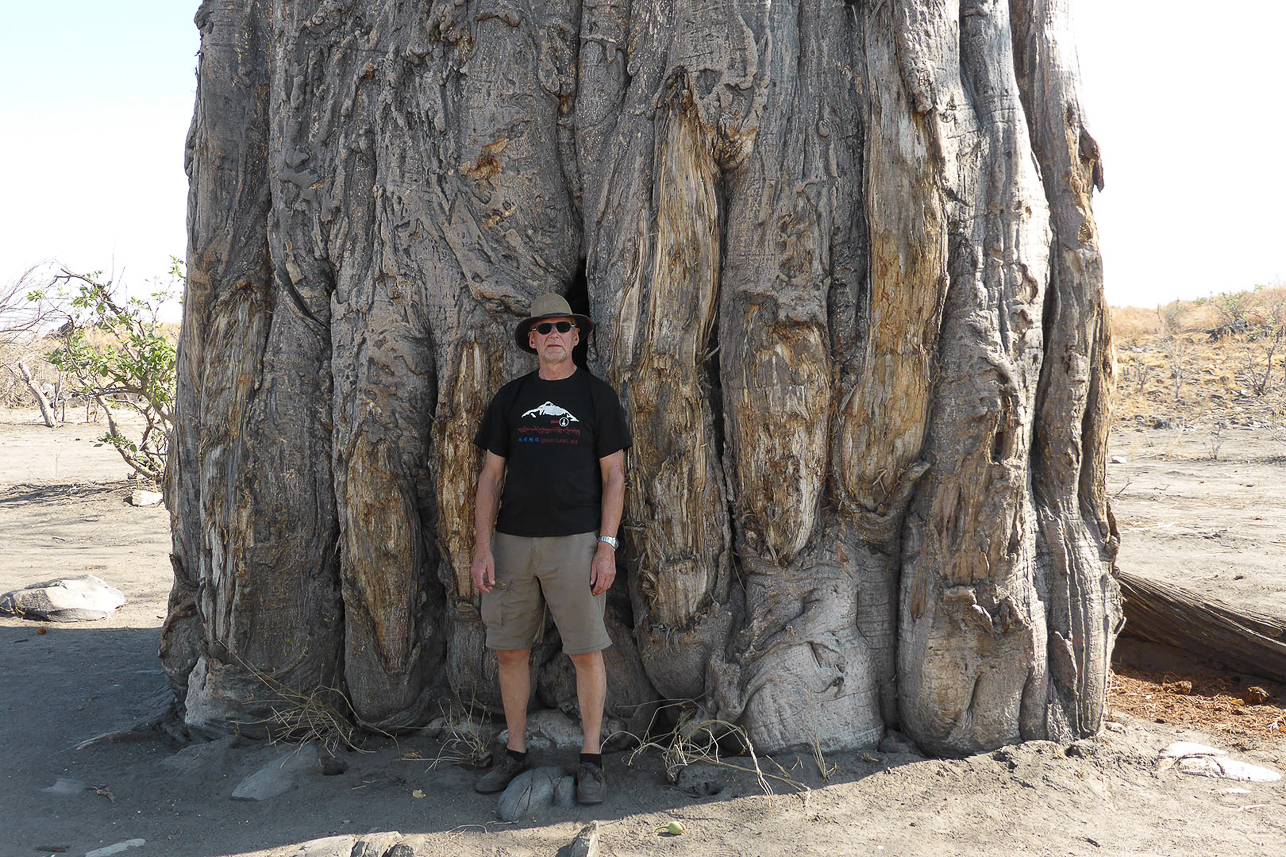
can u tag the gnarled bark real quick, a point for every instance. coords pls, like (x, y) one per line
(846, 280)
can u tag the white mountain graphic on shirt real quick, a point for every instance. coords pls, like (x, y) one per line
(549, 409)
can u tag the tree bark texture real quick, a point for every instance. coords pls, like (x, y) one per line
(847, 282)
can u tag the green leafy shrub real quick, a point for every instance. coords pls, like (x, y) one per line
(115, 351)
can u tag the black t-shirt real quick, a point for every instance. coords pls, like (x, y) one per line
(551, 435)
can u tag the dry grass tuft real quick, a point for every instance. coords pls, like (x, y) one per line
(304, 718)
(322, 714)
(466, 734)
(708, 741)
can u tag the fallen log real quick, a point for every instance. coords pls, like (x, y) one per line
(1247, 641)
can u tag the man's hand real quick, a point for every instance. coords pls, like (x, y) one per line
(603, 570)
(483, 571)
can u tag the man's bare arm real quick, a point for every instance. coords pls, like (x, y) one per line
(486, 504)
(603, 570)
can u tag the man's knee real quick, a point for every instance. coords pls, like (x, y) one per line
(511, 657)
(587, 660)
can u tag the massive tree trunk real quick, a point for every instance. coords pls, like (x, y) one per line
(846, 277)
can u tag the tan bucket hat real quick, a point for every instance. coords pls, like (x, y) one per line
(549, 305)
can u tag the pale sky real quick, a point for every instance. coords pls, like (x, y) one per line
(1184, 99)
(94, 112)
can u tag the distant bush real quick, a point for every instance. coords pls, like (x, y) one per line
(1200, 315)
(116, 352)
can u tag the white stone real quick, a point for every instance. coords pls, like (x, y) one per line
(66, 599)
(549, 729)
(328, 846)
(375, 845)
(65, 786)
(109, 850)
(146, 498)
(1179, 749)
(1227, 769)
(443, 728)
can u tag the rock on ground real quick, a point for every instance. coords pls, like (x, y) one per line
(117, 848)
(278, 775)
(65, 786)
(1202, 761)
(530, 794)
(565, 793)
(551, 729)
(586, 842)
(701, 779)
(1227, 769)
(65, 599)
(386, 844)
(199, 759)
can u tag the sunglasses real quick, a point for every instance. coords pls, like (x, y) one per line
(547, 327)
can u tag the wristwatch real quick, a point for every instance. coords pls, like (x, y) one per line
(614, 543)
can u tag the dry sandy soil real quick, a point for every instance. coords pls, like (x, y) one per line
(1212, 525)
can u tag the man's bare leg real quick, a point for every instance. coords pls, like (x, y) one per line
(515, 689)
(591, 691)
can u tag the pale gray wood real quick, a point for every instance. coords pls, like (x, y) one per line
(1076, 534)
(1244, 640)
(46, 409)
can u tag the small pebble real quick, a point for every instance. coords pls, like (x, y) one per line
(65, 786)
(1255, 695)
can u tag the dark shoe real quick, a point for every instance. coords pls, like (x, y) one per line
(590, 785)
(501, 775)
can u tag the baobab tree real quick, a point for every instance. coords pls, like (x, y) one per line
(846, 278)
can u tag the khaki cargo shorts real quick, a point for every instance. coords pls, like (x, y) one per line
(534, 572)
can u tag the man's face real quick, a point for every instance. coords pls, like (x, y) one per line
(554, 346)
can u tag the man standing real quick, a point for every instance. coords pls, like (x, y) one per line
(552, 487)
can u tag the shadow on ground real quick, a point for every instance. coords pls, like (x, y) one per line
(72, 683)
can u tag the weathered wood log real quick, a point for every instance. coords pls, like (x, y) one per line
(1244, 640)
(846, 279)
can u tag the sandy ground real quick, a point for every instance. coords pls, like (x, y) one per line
(1215, 526)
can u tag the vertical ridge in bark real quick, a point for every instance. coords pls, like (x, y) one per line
(1076, 532)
